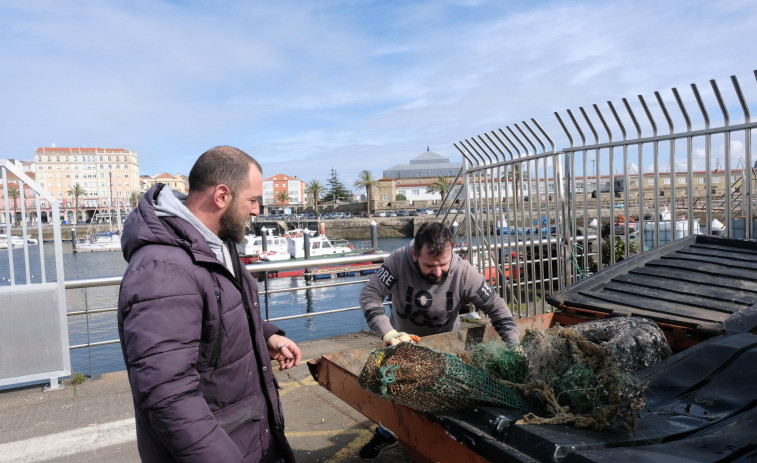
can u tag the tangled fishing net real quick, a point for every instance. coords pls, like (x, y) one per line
(557, 376)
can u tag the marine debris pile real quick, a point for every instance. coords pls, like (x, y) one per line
(578, 376)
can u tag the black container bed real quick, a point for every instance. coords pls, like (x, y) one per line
(704, 284)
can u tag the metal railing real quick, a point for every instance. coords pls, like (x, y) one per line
(262, 268)
(621, 186)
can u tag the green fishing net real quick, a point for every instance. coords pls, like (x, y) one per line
(556, 376)
(427, 380)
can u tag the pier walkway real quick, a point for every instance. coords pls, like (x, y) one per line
(94, 422)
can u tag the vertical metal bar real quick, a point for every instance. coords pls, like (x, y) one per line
(466, 185)
(626, 184)
(557, 185)
(656, 164)
(22, 197)
(537, 228)
(568, 242)
(708, 162)
(611, 247)
(689, 154)
(672, 174)
(12, 274)
(597, 174)
(585, 168)
(40, 240)
(726, 154)
(639, 147)
(748, 168)
(528, 229)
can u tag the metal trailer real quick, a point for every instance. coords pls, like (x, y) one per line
(701, 402)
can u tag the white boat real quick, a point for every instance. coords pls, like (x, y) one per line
(16, 241)
(276, 248)
(320, 245)
(100, 242)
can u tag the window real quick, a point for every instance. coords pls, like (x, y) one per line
(682, 180)
(666, 181)
(700, 181)
(385, 197)
(733, 178)
(717, 179)
(650, 182)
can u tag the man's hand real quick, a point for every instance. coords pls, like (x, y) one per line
(394, 337)
(284, 351)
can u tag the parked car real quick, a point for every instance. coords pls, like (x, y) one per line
(423, 211)
(391, 214)
(402, 213)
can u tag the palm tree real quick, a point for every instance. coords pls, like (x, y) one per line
(76, 191)
(134, 198)
(315, 189)
(282, 197)
(13, 194)
(365, 180)
(442, 185)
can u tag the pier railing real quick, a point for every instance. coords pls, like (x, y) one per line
(105, 301)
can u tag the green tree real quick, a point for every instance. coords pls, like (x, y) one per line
(76, 191)
(400, 197)
(315, 189)
(282, 197)
(336, 190)
(13, 194)
(441, 185)
(134, 198)
(366, 180)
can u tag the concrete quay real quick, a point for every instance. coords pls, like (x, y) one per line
(94, 421)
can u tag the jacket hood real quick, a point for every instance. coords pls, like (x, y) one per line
(143, 227)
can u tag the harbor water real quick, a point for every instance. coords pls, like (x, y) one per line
(102, 327)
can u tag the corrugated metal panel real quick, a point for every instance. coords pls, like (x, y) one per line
(701, 282)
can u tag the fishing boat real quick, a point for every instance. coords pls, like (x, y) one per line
(251, 249)
(320, 245)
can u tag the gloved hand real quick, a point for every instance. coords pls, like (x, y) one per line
(394, 337)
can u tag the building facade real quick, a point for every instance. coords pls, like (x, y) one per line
(108, 177)
(281, 191)
(177, 182)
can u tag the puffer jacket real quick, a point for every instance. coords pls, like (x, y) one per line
(195, 348)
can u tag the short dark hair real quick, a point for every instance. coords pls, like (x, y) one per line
(222, 165)
(435, 236)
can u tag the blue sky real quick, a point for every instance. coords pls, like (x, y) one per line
(307, 86)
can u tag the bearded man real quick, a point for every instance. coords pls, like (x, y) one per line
(197, 352)
(428, 285)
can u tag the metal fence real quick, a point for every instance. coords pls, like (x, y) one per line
(632, 177)
(34, 329)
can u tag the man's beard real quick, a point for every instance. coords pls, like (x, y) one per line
(233, 224)
(431, 278)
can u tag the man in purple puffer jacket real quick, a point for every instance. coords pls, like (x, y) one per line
(197, 353)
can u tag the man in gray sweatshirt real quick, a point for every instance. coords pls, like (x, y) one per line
(428, 285)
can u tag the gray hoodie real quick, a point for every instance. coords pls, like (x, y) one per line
(170, 203)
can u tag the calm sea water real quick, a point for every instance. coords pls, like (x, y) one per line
(103, 327)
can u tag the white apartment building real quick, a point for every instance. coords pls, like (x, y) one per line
(108, 175)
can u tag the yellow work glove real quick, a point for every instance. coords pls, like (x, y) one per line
(395, 337)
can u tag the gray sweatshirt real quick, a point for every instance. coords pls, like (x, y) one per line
(422, 308)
